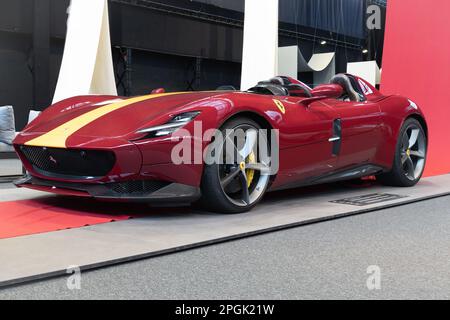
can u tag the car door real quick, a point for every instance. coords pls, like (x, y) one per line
(360, 136)
(306, 149)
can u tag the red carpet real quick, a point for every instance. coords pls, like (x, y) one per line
(25, 217)
(19, 218)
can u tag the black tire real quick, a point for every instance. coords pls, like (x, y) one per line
(214, 198)
(400, 176)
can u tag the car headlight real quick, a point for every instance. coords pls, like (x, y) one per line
(170, 127)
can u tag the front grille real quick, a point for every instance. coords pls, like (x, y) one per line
(69, 162)
(133, 187)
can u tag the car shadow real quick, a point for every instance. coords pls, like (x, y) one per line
(88, 206)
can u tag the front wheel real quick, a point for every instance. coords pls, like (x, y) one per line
(240, 179)
(410, 156)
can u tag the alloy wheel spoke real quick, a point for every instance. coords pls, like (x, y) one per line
(251, 137)
(244, 177)
(231, 152)
(261, 167)
(405, 141)
(413, 138)
(229, 178)
(410, 170)
(418, 154)
(244, 186)
(404, 158)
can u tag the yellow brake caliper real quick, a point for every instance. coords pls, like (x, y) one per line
(250, 173)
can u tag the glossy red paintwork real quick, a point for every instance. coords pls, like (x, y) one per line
(369, 132)
(328, 90)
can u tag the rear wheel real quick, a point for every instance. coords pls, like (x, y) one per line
(410, 156)
(239, 181)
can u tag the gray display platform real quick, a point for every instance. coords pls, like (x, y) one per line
(165, 231)
(10, 167)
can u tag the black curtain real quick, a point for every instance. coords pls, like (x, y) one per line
(338, 16)
(375, 37)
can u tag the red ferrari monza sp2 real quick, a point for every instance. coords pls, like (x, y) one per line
(117, 148)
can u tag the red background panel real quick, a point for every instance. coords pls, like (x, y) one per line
(416, 63)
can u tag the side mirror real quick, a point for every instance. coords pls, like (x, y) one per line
(158, 91)
(331, 91)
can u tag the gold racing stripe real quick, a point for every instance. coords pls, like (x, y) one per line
(57, 137)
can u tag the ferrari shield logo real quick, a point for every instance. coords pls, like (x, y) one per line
(280, 106)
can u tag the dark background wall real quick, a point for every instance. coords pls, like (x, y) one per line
(175, 44)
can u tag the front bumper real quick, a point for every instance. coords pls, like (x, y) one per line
(131, 191)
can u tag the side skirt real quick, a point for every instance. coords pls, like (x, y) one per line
(344, 175)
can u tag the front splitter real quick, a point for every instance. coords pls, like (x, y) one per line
(164, 193)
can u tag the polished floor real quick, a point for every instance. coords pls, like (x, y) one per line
(163, 231)
(327, 260)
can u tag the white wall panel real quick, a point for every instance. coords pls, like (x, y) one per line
(260, 53)
(288, 61)
(87, 66)
(368, 70)
(291, 61)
